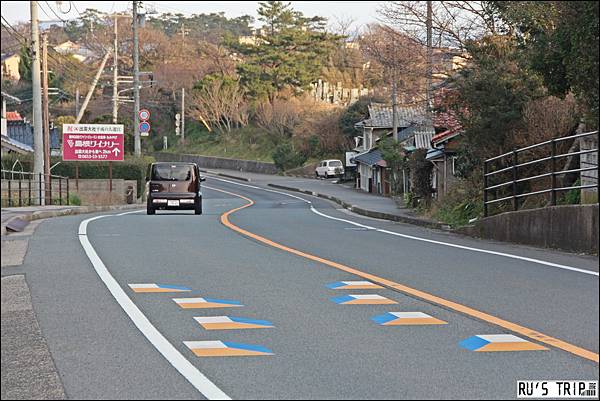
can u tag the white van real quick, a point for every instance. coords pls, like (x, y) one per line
(330, 168)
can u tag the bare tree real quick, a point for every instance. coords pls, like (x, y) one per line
(218, 58)
(345, 27)
(403, 62)
(220, 103)
(547, 118)
(454, 23)
(280, 117)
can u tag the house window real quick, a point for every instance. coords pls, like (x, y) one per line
(454, 165)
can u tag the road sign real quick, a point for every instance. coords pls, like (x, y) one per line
(144, 127)
(144, 114)
(93, 142)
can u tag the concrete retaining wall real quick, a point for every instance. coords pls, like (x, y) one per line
(96, 191)
(251, 166)
(571, 228)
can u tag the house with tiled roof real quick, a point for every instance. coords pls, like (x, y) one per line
(17, 132)
(414, 132)
(444, 146)
(80, 52)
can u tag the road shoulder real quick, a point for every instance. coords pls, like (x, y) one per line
(28, 371)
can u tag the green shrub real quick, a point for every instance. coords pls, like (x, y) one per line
(132, 168)
(421, 175)
(286, 157)
(462, 203)
(74, 199)
(572, 197)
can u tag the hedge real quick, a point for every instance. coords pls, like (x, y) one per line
(130, 169)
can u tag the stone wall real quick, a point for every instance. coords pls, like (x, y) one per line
(251, 166)
(92, 192)
(13, 189)
(97, 191)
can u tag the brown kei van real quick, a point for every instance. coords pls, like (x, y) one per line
(173, 186)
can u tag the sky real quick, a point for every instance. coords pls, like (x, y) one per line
(362, 12)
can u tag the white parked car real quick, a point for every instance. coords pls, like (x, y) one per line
(330, 168)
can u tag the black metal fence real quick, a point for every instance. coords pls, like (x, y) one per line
(20, 188)
(512, 163)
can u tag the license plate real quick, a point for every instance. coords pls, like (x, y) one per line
(173, 202)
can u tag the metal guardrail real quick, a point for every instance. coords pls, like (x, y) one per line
(21, 188)
(514, 165)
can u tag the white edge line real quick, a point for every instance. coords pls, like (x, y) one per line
(162, 345)
(468, 248)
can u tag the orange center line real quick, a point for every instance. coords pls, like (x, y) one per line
(530, 333)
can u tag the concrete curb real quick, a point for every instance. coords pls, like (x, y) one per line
(235, 177)
(366, 212)
(46, 214)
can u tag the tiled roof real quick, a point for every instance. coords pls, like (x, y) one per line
(446, 119)
(370, 158)
(13, 116)
(445, 135)
(381, 116)
(15, 145)
(8, 55)
(433, 154)
(418, 136)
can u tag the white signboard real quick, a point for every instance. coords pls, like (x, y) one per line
(349, 156)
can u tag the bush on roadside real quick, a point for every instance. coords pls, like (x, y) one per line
(286, 157)
(74, 200)
(132, 168)
(421, 176)
(462, 203)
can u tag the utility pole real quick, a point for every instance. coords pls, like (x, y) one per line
(137, 143)
(115, 98)
(77, 101)
(183, 116)
(182, 36)
(394, 105)
(429, 58)
(394, 91)
(46, 117)
(92, 88)
(38, 137)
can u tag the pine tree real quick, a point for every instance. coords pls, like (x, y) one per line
(288, 52)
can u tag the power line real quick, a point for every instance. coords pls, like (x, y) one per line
(24, 42)
(93, 34)
(68, 66)
(7, 24)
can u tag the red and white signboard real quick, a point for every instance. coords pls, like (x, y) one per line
(93, 142)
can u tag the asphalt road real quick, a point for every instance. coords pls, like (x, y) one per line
(320, 349)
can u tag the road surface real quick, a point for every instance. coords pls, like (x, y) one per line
(269, 260)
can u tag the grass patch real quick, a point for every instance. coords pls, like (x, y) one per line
(248, 143)
(462, 203)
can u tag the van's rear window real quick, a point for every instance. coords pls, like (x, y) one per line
(171, 173)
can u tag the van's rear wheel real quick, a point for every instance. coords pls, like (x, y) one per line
(150, 210)
(198, 206)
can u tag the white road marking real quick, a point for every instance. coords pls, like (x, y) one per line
(412, 237)
(162, 345)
